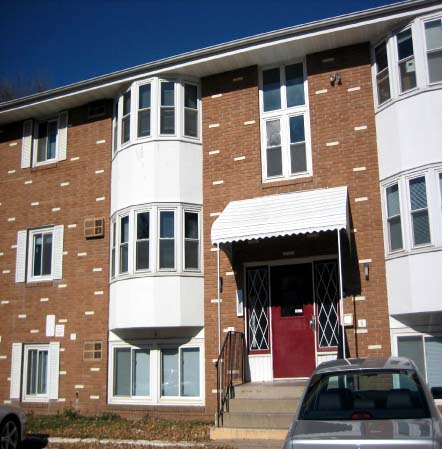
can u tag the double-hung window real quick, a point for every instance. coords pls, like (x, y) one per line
(36, 365)
(41, 254)
(124, 244)
(167, 240)
(382, 73)
(191, 111)
(394, 218)
(131, 372)
(419, 211)
(433, 50)
(406, 60)
(285, 131)
(180, 372)
(142, 241)
(47, 141)
(144, 111)
(114, 240)
(167, 107)
(192, 241)
(126, 118)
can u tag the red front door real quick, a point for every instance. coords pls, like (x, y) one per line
(293, 346)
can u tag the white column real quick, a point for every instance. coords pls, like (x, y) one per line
(340, 274)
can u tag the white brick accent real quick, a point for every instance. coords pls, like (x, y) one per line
(6, 271)
(360, 128)
(374, 346)
(100, 198)
(10, 172)
(98, 172)
(214, 125)
(44, 299)
(56, 209)
(28, 182)
(11, 219)
(76, 158)
(354, 89)
(321, 91)
(99, 142)
(4, 302)
(13, 144)
(95, 369)
(249, 122)
(365, 261)
(218, 182)
(99, 293)
(34, 331)
(240, 158)
(72, 226)
(62, 285)
(94, 397)
(212, 152)
(35, 203)
(89, 312)
(362, 198)
(216, 95)
(332, 144)
(359, 169)
(214, 214)
(64, 184)
(79, 387)
(22, 316)
(97, 269)
(230, 273)
(82, 254)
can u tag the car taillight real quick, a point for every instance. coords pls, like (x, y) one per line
(361, 415)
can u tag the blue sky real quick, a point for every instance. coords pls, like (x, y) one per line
(64, 41)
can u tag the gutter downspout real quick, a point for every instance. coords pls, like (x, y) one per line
(218, 299)
(341, 295)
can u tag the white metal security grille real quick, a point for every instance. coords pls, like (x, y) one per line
(326, 298)
(258, 302)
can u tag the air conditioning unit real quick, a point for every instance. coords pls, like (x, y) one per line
(94, 228)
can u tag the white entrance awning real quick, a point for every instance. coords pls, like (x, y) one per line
(282, 215)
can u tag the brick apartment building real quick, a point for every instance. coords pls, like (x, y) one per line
(285, 186)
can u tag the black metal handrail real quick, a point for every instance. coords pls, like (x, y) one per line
(230, 371)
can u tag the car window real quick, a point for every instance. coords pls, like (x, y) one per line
(365, 395)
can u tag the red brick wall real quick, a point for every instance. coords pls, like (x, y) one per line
(76, 201)
(334, 114)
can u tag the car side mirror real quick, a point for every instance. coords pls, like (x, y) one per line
(436, 392)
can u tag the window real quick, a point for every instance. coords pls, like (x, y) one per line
(124, 243)
(167, 107)
(419, 211)
(191, 110)
(406, 60)
(180, 372)
(284, 123)
(36, 371)
(92, 350)
(131, 372)
(167, 240)
(47, 141)
(144, 111)
(142, 242)
(126, 118)
(42, 254)
(433, 50)
(394, 218)
(382, 73)
(192, 241)
(425, 351)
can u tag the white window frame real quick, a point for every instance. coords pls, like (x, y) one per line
(30, 268)
(131, 398)
(176, 105)
(151, 108)
(119, 244)
(384, 42)
(386, 220)
(114, 249)
(135, 240)
(120, 119)
(409, 178)
(35, 397)
(36, 139)
(193, 211)
(283, 114)
(398, 61)
(183, 86)
(425, 47)
(159, 238)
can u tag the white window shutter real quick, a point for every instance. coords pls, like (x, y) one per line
(53, 375)
(20, 263)
(26, 144)
(16, 370)
(58, 252)
(62, 135)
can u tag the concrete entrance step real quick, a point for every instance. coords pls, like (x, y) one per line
(257, 420)
(228, 435)
(270, 390)
(247, 405)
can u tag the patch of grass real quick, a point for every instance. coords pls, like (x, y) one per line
(71, 424)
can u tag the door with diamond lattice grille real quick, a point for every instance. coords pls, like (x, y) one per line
(258, 310)
(293, 343)
(327, 305)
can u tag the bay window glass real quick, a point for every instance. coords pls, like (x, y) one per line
(382, 73)
(124, 240)
(131, 372)
(433, 50)
(167, 240)
(126, 118)
(271, 90)
(191, 110)
(297, 144)
(273, 148)
(419, 211)
(192, 242)
(406, 60)
(144, 111)
(37, 372)
(169, 372)
(142, 242)
(190, 372)
(114, 237)
(167, 107)
(295, 92)
(42, 254)
(394, 218)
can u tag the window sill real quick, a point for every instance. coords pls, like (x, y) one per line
(413, 252)
(44, 166)
(287, 182)
(45, 283)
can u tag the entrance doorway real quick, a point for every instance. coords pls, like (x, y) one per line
(292, 311)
